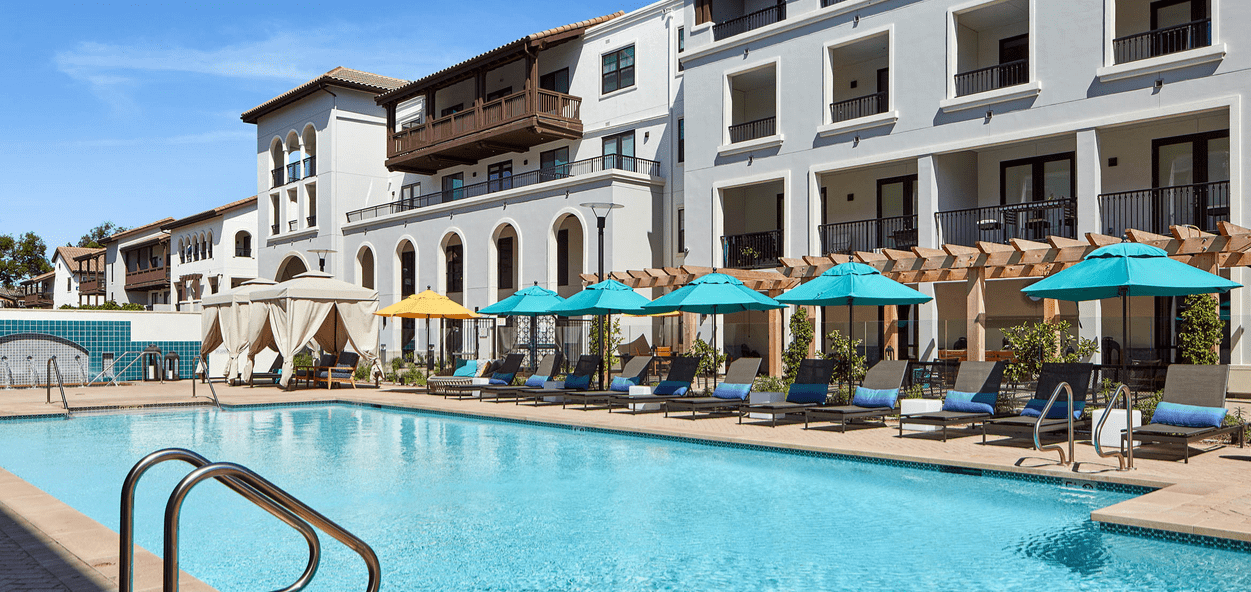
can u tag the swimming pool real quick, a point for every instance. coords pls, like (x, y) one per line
(461, 504)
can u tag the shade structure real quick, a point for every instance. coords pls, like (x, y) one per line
(224, 322)
(850, 284)
(605, 299)
(534, 301)
(315, 307)
(428, 304)
(715, 293)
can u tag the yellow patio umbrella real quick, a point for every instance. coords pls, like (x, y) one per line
(428, 305)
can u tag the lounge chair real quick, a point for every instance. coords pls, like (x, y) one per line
(633, 374)
(309, 373)
(273, 374)
(547, 368)
(677, 384)
(971, 400)
(1191, 409)
(579, 380)
(501, 376)
(810, 389)
(463, 375)
(728, 396)
(342, 371)
(875, 397)
(1022, 426)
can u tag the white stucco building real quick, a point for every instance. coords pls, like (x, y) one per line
(77, 272)
(136, 266)
(214, 250)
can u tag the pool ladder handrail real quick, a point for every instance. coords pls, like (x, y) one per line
(208, 379)
(1125, 453)
(53, 365)
(1063, 386)
(114, 377)
(252, 487)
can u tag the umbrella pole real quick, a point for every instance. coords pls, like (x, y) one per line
(533, 349)
(429, 347)
(851, 332)
(1124, 335)
(715, 355)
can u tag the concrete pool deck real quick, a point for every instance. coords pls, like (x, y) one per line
(44, 542)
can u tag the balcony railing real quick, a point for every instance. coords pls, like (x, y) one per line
(494, 113)
(1154, 210)
(293, 172)
(242, 252)
(37, 299)
(310, 166)
(143, 277)
(896, 232)
(1035, 220)
(311, 220)
(986, 79)
(755, 250)
(750, 21)
(564, 171)
(826, 3)
(273, 229)
(279, 179)
(760, 128)
(91, 286)
(858, 107)
(1141, 46)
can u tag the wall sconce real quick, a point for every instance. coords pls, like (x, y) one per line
(646, 135)
(855, 20)
(750, 158)
(856, 140)
(1159, 83)
(989, 114)
(744, 52)
(851, 197)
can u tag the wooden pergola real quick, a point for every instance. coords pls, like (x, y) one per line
(972, 264)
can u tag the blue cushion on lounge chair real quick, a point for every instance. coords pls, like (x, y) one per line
(806, 393)
(467, 370)
(1188, 416)
(622, 384)
(502, 378)
(731, 391)
(962, 402)
(1035, 406)
(672, 387)
(578, 382)
(536, 381)
(867, 397)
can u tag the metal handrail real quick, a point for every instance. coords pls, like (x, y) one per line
(173, 510)
(112, 367)
(52, 365)
(1120, 453)
(208, 379)
(126, 555)
(1068, 413)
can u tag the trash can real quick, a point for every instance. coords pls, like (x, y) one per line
(152, 363)
(171, 366)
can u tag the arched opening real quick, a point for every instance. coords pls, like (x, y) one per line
(569, 249)
(506, 247)
(310, 150)
(294, 156)
(276, 161)
(243, 244)
(290, 268)
(365, 267)
(454, 267)
(195, 248)
(208, 245)
(182, 253)
(406, 256)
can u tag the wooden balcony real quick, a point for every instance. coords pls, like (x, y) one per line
(151, 277)
(514, 123)
(91, 287)
(37, 300)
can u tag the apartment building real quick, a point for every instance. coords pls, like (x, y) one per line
(214, 251)
(866, 125)
(136, 266)
(37, 292)
(78, 275)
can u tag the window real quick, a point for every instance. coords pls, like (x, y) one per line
(681, 140)
(681, 46)
(499, 94)
(618, 69)
(504, 276)
(1041, 178)
(681, 230)
(457, 108)
(554, 164)
(500, 176)
(410, 191)
(557, 81)
(455, 269)
(562, 257)
(68, 286)
(452, 187)
(703, 11)
(182, 253)
(619, 151)
(243, 244)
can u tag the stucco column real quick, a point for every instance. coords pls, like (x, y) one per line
(927, 237)
(1089, 186)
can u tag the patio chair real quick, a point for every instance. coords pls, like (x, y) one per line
(501, 376)
(971, 400)
(810, 389)
(728, 396)
(273, 374)
(462, 375)
(875, 397)
(633, 374)
(342, 371)
(677, 384)
(547, 368)
(309, 373)
(1022, 426)
(1191, 409)
(579, 380)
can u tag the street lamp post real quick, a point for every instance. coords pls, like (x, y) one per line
(321, 256)
(601, 211)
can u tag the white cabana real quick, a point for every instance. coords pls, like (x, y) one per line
(224, 321)
(314, 307)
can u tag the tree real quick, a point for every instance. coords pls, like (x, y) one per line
(95, 235)
(23, 258)
(1201, 330)
(802, 334)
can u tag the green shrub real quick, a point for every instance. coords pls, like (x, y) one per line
(1036, 343)
(772, 384)
(913, 392)
(710, 359)
(613, 338)
(1147, 406)
(303, 358)
(362, 372)
(839, 350)
(1201, 329)
(802, 334)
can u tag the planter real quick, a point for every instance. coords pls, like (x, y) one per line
(758, 398)
(910, 406)
(643, 390)
(1110, 437)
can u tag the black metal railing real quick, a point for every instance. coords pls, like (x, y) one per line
(754, 250)
(564, 171)
(993, 77)
(278, 178)
(292, 225)
(858, 107)
(293, 172)
(1035, 220)
(760, 128)
(750, 21)
(310, 166)
(312, 221)
(1141, 46)
(242, 252)
(896, 232)
(826, 3)
(273, 229)
(1203, 205)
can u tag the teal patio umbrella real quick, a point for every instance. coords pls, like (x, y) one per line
(1128, 269)
(850, 284)
(605, 298)
(530, 302)
(715, 294)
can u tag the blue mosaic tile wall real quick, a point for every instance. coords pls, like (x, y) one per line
(98, 338)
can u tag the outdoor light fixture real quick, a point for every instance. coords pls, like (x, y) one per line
(601, 210)
(321, 256)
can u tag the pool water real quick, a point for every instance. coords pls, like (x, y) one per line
(460, 504)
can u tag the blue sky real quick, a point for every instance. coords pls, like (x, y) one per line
(130, 112)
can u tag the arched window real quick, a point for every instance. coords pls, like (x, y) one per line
(182, 253)
(208, 244)
(195, 250)
(365, 267)
(243, 244)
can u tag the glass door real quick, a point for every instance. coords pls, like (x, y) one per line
(896, 206)
(1191, 181)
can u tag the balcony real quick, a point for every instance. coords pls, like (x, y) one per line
(1035, 220)
(279, 179)
(91, 287)
(310, 167)
(293, 172)
(992, 78)
(243, 252)
(564, 171)
(755, 250)
(37, 300)
(751, 21)
(1167, 40)
(760, 128)
(514, 123)
(1154, 210)
(897, 232)
(858, 107)
(151, 277)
